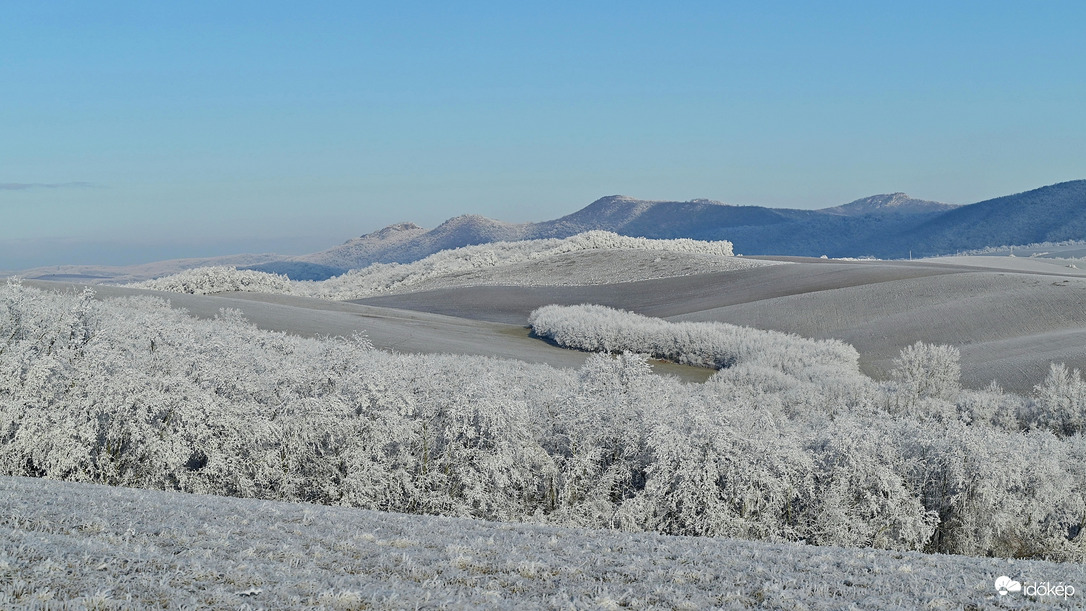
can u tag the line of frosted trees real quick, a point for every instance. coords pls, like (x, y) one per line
(131, 392)
(391, 277)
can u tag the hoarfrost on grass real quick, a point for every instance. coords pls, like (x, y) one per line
(172, 550)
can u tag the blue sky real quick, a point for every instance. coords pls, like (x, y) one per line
(133, 131)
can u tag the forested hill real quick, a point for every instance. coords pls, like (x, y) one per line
(885, 226)
(1049, 214)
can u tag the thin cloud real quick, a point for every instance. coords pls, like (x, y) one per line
(25, 186)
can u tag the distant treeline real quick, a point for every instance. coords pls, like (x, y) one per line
(383, 278)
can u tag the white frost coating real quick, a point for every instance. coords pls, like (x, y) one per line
(133, 393)
(220, 279)
(702, 344)
(391, 277)
(591, 240)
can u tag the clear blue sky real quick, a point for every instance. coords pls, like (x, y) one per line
(140, 130)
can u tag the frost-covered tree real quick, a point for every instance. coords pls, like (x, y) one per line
(598, 439)
(790, 442)
(928, 371)
(993, 406)
(863, 497)
(1061, 401)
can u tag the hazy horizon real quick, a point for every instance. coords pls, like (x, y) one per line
(52, 251)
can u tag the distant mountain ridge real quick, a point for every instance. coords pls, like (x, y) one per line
(890, 225)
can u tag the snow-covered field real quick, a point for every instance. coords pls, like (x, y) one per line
(1010, 317)
(67, 545)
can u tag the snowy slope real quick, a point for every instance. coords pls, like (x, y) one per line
(1010, 316)
(93, 546)
(1048, 214)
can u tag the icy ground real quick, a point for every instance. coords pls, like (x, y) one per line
(67, 545)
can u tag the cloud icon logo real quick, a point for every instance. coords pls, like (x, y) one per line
(1005, 584)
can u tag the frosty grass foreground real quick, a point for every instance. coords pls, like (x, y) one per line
(114, 548)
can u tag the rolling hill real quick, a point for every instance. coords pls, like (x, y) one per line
(1010, 317)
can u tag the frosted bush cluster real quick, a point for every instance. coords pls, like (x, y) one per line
(702, 344)
(131, 392)
(594, 240)
(220, 279)
(391, 277)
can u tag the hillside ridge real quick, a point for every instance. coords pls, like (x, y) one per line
(889, 225)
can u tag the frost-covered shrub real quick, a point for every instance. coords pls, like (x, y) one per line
(596, 239)
(863, 497)
(992, 406)
(219, 279)
(928, 371)
(476, 453)
(131, 392)
(703, 344)
(598, 440)
(1060, 401)
(734, 471)
(998, 494)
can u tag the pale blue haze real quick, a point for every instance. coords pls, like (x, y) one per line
(131, 130)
